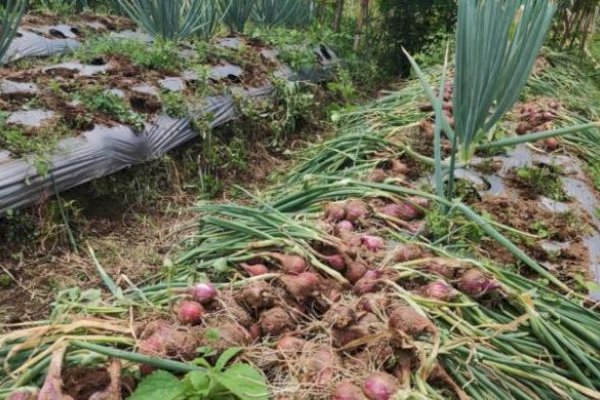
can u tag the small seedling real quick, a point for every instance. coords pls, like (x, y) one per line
(113, 106)
(174, 104)
(5, 281)
(542, 181)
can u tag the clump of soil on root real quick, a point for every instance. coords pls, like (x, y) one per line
(81, 382)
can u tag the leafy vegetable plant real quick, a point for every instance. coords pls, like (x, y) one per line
(237, 381)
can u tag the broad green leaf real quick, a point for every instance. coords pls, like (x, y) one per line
(200, 381)
(226, 357)
(244, 381)
(161, 385)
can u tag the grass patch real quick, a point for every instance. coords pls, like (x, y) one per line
(98, 100)
(174, 104)
(541, 181)
(37, 142)
(160, 56)
(593, 170)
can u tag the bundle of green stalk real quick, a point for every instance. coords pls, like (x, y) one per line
(576, 85)
(370, 134)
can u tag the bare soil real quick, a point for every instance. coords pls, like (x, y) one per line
(529, 216)
(80, 382)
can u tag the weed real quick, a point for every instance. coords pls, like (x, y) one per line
(201, 84)
(298, 58)
(593, 171)
(37, 143)
(539, 228)
(60, 7)
(207, 51)
(141, 185)
(5, 281)
(14, 139)
(294, 103)
(487, 166)
(174, 104)
(466, 190)
(210, 186)
(293, 47)
(98, 100)
(342, 87)
(452, 226)
(161, 56)
(18, 228)
(541, 180)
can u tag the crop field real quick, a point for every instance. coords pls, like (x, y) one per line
(299, 199)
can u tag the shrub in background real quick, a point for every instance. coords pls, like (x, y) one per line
(409, 24)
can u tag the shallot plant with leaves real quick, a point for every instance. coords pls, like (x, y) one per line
(497, 44)
(281, 12)
(170, 20)
(11, 13)
(236, 13)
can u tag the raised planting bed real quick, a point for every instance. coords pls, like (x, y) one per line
(116, 99)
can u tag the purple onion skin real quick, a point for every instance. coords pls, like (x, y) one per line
(344, 226)
(336, 262)
(404, 211)
(372, 243)
(368, 283)
(256, 269)
(439, 290)
(380, 386)
(348, 391)
(475, 284)
(356, 210)
(22, 395)
(204, 292)
(335, 212)
(190, 313)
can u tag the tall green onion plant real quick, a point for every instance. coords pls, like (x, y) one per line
(170, 20)
(12, 12)
(237, 13)
(212, 16)
(497, 44)
(281, 12)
